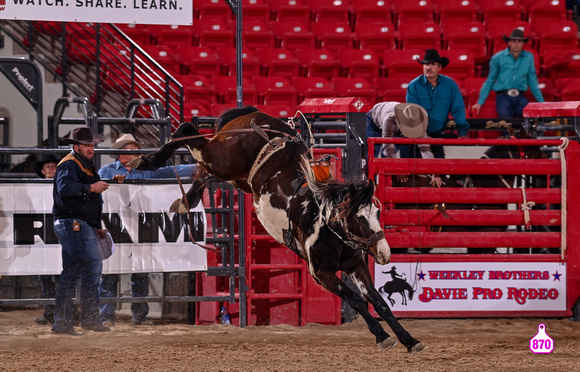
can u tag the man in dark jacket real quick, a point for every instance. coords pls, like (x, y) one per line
(77, 219)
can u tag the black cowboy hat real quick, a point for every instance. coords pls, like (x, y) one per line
(84, 136)
(43, 160)
(432, 55)
(516, 34)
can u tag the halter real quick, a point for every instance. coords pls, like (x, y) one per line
(356, 242)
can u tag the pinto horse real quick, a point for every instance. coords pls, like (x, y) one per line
(331, 225)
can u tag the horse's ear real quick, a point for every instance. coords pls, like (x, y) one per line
(371, 185)
(511, 130)
(352, 189)
(523, 134)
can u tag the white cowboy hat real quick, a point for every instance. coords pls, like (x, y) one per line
(412, 119)
(126, 139)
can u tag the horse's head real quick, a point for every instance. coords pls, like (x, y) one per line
(515, 151)
(357, 210)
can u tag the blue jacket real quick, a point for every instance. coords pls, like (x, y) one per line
(111, 170)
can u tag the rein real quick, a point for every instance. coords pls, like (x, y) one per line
(189, 219)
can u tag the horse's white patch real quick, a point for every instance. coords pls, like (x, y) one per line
(360, 285)
(274, 219)
(370, 213)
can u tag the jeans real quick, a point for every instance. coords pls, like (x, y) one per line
(80, 262)
(510, 107)
(437, 150)
(48, 290)
(139, 288)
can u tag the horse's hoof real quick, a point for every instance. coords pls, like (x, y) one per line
(134, 163)
(417, 349)
(178, 207)
(387, 344)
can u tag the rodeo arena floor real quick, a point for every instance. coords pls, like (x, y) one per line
(453, 345)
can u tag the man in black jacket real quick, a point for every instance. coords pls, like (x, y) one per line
(77, 219)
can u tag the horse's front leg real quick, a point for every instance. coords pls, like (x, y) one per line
(362, 278)
(156, 159)
(334, 285)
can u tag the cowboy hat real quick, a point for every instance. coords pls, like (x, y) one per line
(42, 161)
(516, 34)
(83, 136)
(126, 139)
(412, 119)
(432, 55)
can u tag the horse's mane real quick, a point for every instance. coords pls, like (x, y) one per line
(230, 114)
(503, 151)
(345, 198)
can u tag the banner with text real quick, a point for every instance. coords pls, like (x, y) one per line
(169, 12)
(147, 237)
(473, 286)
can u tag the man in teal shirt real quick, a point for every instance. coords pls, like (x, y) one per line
(440, 96)
(511, 71)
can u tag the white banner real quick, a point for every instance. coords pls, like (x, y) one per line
(473, 286)
(169, 12)
(147, 237)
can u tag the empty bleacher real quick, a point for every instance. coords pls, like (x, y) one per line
(296, 49)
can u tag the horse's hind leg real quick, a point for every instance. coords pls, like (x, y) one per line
(362, 278)
(333, 284)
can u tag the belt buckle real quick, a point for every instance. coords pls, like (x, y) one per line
(513, 92)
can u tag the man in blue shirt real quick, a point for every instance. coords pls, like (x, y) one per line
(511, 71)
(139, 281)
(440, 96)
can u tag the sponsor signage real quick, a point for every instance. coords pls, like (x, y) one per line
(147, 237)
(171, 12)
(473, 286)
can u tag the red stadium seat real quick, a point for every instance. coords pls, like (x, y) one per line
(291, 10)
(257, 35)
(370, 11)
(313, 87)
(198, 89)
(376, 36)
(561, 63)
(198, 61)
(413, 11)
(354, 87)
(293, 35)
(548, 89)
(546, 11)
(568, 88)
(275, 90)
(214, 9)
(256, 10)
(218, 108)
(166, 56)
(424, 35)
(403, 63)
(277, 111)
(467, 36)
(456, 11)
(317, 62)
(278, 62)
(472, 86)
(391, 89)
(500, 11)
(359, 63)
(228, 62)
(226, 90)
(141, 34)
(193, 108)
(333, 35)
(330, 10)
(461, 65)
(212, 33)
(556, 35)
(172, 35)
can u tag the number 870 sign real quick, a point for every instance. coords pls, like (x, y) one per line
(541, 343)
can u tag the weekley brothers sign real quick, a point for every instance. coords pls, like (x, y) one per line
(472, 287)
(171, 12)
(147, 237)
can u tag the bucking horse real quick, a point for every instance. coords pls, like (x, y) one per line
(331, 225)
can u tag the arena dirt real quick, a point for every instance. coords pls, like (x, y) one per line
(453, 345)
